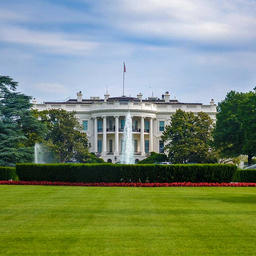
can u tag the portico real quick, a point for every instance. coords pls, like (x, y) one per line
(108, 134)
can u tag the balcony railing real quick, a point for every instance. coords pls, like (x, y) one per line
(122, 129)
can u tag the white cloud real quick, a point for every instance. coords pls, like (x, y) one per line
(228, 22)
(61, 43)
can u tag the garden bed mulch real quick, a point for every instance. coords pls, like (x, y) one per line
(129, 184)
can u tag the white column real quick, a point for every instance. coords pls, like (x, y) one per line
(116, 135)
(95, 135)
(142, 142)
(104, 150)
(151, 135)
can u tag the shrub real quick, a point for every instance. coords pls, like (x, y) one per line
(126, 173)
(245, 175)
(8, 173)
(154, 158)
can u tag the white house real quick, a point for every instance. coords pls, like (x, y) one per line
(104, 119)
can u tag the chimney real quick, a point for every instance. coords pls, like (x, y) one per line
(79, 96)
(212, 102)
(167, 97)
(139, 96)
(106, 96)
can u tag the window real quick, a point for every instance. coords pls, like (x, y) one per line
(161, 126)
(161, 146)
(146, 126)
(110, 146)
(135, 127)
(110, 122)
(85, 125)
(99, 124)
(135, 146)
(146, 146)
(99, 146)
(122, 123)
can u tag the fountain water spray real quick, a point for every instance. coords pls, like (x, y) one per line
(43, 155)
(38, 154)
(127, 156)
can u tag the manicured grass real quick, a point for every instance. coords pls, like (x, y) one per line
(38, 220)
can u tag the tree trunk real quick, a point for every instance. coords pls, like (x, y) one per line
(250, 159)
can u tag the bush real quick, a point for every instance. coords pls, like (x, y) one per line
(245, 176)
(154, 158)
(8, 173)
(126, 173)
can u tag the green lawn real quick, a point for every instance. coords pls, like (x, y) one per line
(38, 220)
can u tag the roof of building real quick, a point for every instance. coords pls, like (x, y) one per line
(121, 99)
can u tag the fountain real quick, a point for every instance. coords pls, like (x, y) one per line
(38, 154)
(127, 156)
(43, 155)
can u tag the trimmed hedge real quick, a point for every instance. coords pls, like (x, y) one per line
(8, 173)
(248, 175)
(126, 173)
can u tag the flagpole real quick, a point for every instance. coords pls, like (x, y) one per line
(123, 77)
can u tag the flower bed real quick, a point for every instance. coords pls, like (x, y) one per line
(129, 184)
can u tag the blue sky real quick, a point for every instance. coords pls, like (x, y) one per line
(195, 49)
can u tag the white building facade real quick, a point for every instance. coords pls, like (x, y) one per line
(104, 119)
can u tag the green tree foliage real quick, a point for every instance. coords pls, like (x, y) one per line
(154, 158)
(64, 136)
(235, 131)
(188, 138)
(19, 129)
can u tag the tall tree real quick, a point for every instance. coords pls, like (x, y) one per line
(19, 129)
(188, 138)
(64, 136)
(235, 131)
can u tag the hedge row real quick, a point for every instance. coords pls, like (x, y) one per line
(126, 173)
(8, 173)
(248, 175)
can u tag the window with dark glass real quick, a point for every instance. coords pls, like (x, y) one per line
(110, 123)
(146, 126)
(135, 125)
(85, 125)
(161, 126)
(146, 146)
(99, 123)
(99, 146)
(122, 123)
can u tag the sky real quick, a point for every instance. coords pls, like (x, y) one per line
(195, 49)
